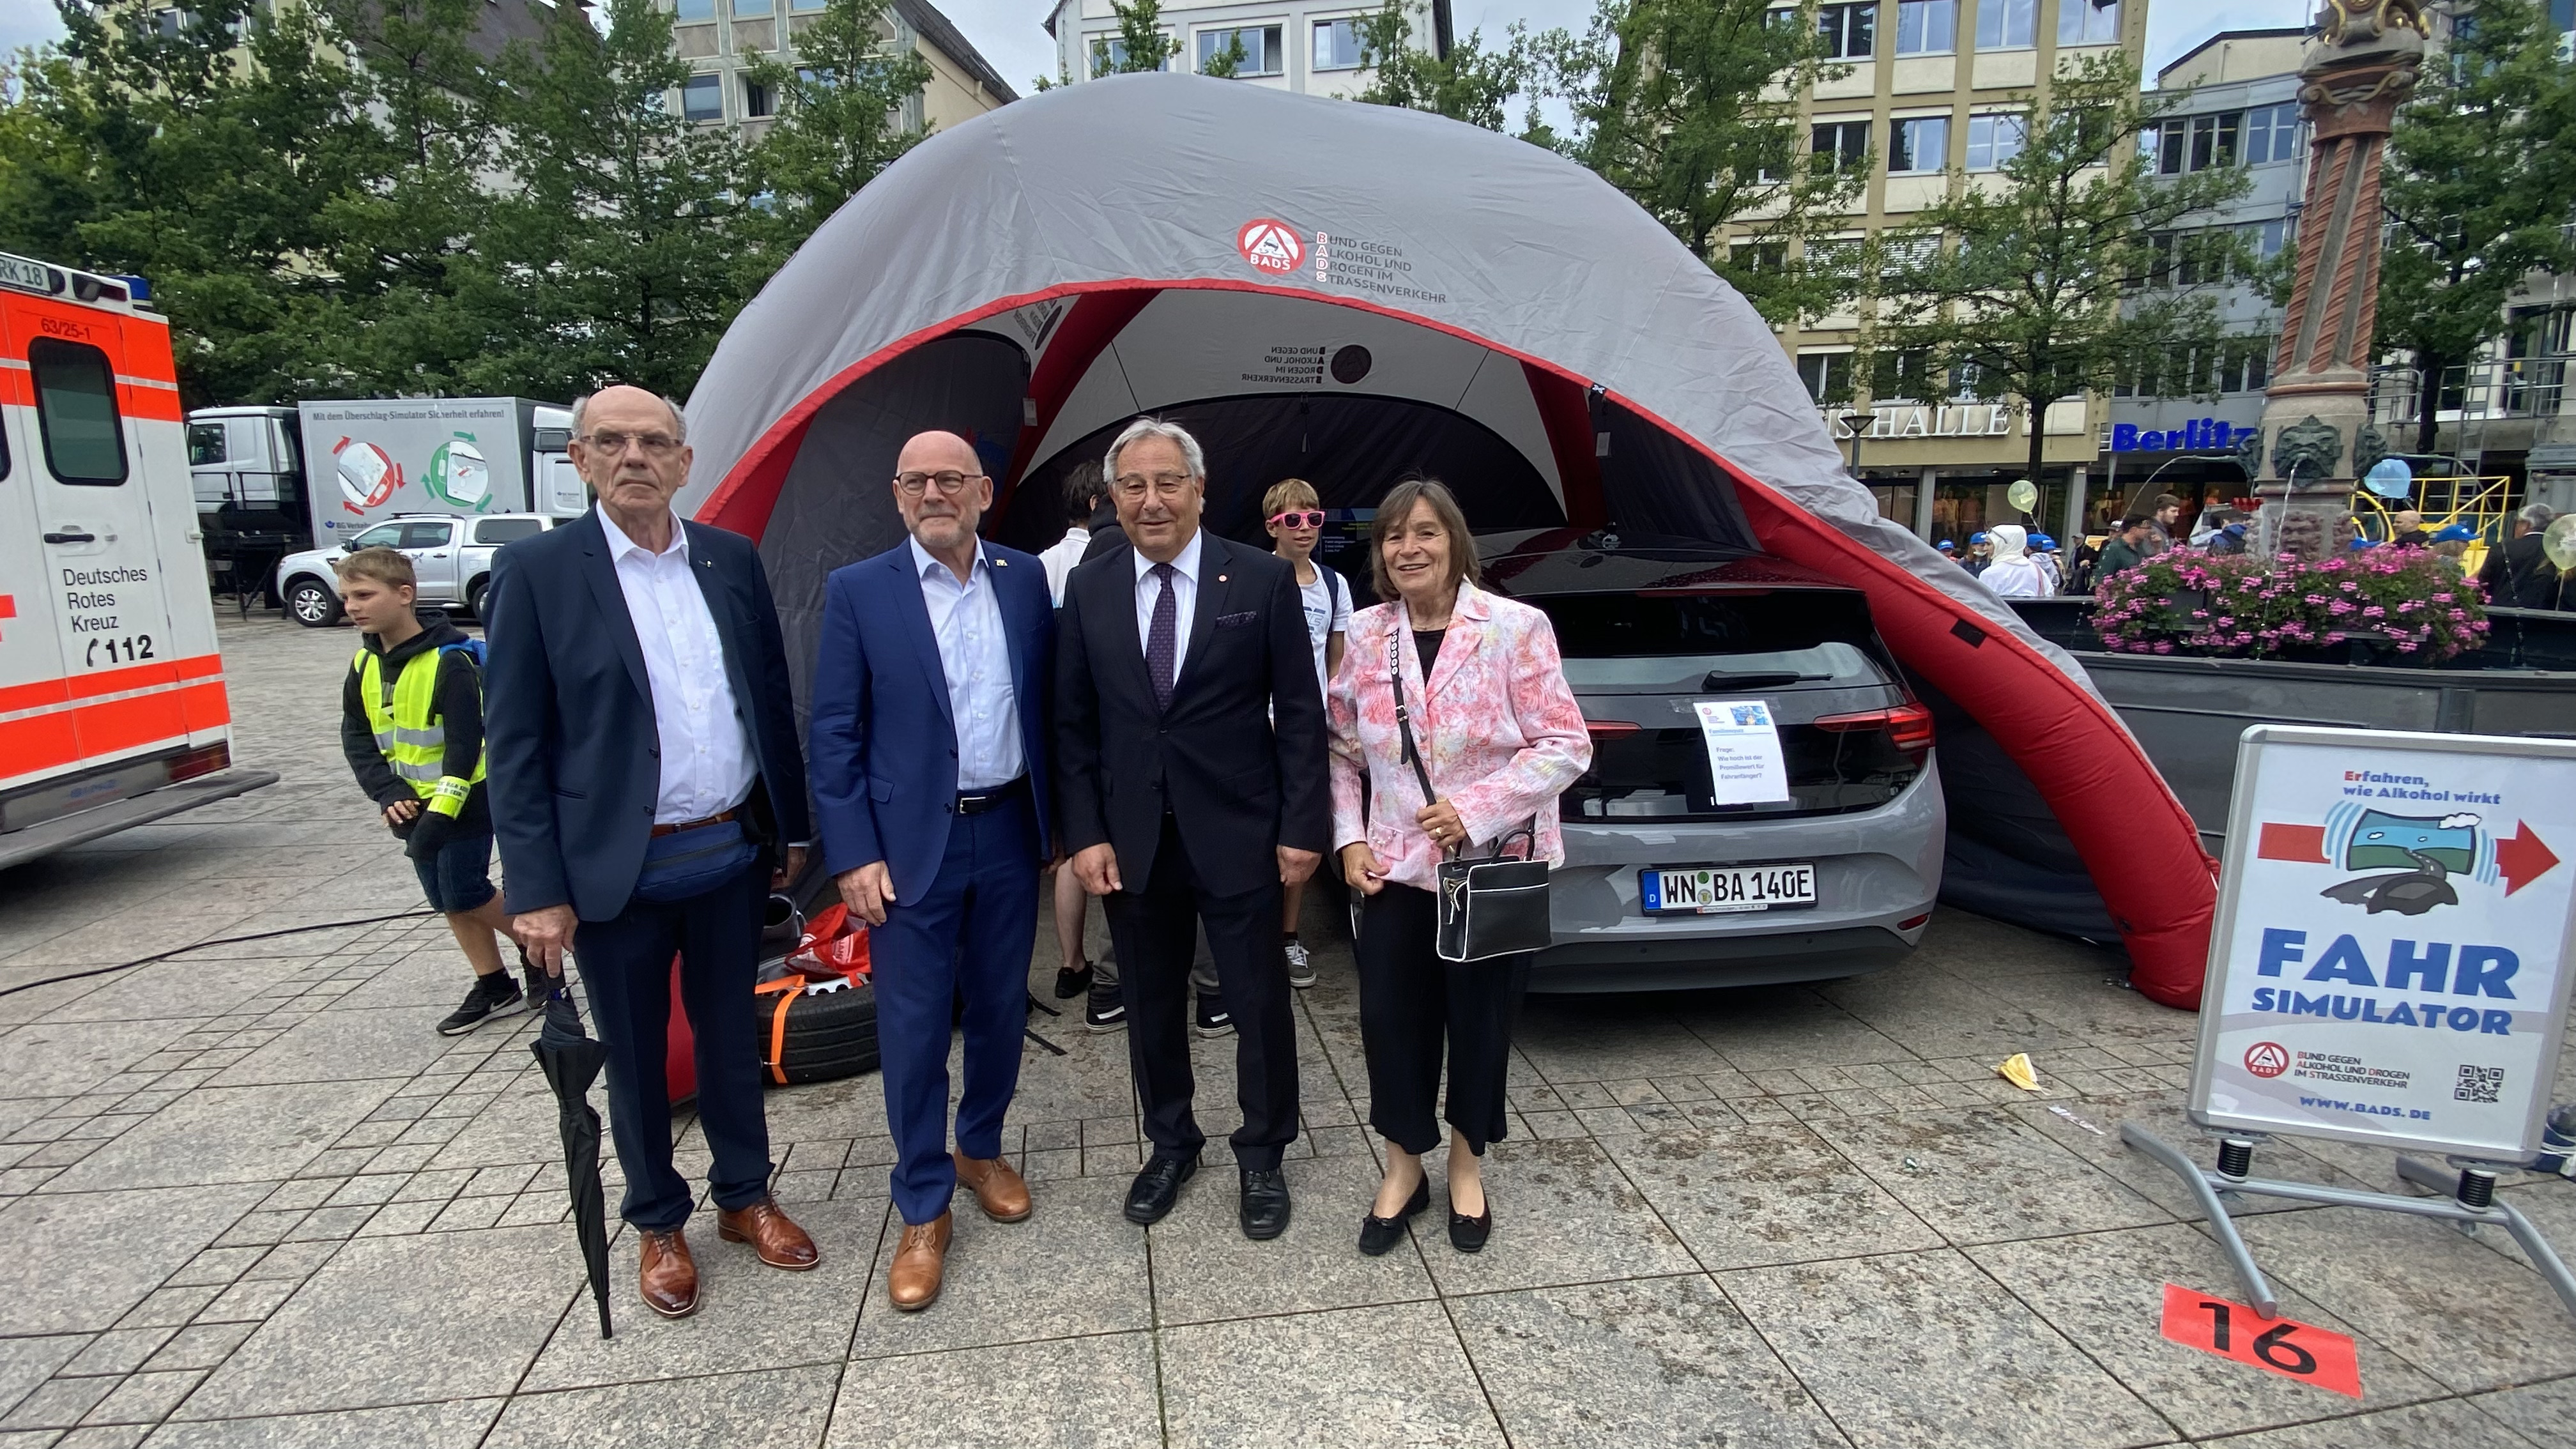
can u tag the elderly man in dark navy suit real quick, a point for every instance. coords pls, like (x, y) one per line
(930, 740)
(647, 793)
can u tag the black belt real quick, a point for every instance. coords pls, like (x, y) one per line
(980, 801)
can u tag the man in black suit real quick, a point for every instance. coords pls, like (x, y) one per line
(645, 779)
(1181, 799)
(2519, 574)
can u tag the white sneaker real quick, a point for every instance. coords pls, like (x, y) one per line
(1301, 969)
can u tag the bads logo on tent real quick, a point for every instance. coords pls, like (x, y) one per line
(1270, 245)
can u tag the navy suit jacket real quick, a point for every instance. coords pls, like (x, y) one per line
(884, 742)
(573, 755)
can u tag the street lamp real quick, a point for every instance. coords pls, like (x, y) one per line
(1855, 420)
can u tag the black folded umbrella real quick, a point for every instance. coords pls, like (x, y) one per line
(571, 1061)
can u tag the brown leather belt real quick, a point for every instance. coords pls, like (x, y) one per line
(719, 818)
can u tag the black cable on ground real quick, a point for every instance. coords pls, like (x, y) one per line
(217, 941)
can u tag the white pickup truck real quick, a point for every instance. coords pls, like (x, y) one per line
(452, 556)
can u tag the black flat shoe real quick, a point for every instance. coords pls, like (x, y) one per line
(1158, 1187)
(1378, 1235)
(1265, 1204)
(1070, 984)
(1468, 1234)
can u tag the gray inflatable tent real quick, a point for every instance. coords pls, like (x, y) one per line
(1368, 290)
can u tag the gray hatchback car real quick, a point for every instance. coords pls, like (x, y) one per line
(1665, 887)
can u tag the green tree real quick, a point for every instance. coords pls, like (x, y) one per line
(837, 109)
(1692, 108)
(1141, 44)
(2480, 167)
(1470, 83)
(2071, 263)
(615, 257)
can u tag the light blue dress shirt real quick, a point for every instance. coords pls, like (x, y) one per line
(966, 619)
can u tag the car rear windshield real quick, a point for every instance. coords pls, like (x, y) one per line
(1680, 644)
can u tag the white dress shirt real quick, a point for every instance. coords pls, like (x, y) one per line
(1061, 558)
(707, 766)
(966, 619)
(1185, 599)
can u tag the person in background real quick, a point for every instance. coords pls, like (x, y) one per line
(2013, 574)
(1084, 498)
(1495, 729)
(934, 812)
(1949, 549)
(1295, 518)
(649, 793)
(413, 735)
(2127, 548)
(2162, 520)
(1980, 553)
(2519, 575)
(2450, 543)
(2406, 530)
(2043, 552)
(2080, 568)
(2231, 538)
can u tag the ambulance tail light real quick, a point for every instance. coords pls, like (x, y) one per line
(205, 760)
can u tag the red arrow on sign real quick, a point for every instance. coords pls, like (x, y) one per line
(2522, 859)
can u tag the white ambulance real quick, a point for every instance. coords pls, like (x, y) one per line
(112, 708)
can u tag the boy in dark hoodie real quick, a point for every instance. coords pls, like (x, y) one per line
(411, 724)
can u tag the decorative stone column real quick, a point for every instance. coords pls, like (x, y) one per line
(2316, 415)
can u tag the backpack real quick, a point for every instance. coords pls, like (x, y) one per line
(473, 649)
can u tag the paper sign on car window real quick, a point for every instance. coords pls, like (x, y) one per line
(1743, 751)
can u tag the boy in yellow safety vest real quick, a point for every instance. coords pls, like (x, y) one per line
(411, 724)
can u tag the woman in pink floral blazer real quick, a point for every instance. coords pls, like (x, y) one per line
(1502, 737)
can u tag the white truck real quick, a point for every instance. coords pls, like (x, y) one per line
(276, 481)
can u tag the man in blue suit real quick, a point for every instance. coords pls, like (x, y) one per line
(929, 742)
(647, 793)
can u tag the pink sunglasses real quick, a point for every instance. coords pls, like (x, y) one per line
(1302, 518)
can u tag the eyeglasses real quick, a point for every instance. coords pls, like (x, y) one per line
(948, 481)
(1165, 485)
(655, 445)
(1298, 518)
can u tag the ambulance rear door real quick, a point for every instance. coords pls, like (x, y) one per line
(36, 741)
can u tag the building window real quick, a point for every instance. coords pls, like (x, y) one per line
(2272, 133)
(752, 8)
(2197, 143)
(756, 101)
(1262, 53)
(1900, 377)
(1851, 31)
(2272, 236)
(1757, 258)
(1840, 146)
(689, 10)
(1827, 375)
(2088, 22)
(1337, 45)
(1109, 54)
(1926, 27)
(702, 97)
(2215, 139)
(2006, 24)
(1994, 140)
(805, 5)
(1918, 145)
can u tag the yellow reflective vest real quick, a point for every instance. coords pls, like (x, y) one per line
(408, 731)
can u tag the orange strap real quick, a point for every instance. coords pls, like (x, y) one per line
(786, 989)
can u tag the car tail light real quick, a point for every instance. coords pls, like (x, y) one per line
(1910, 922)
(1612, 727)
(1908, 726)
(202, 761)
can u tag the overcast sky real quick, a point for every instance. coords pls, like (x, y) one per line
(1012, 36)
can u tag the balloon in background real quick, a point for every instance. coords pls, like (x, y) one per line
(2558, 541)
(2023, 495)
(2390, 478)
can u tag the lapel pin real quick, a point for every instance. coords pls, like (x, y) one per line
(1220, 578)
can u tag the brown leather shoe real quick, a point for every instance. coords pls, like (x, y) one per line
(670, 1276)
(920, 1260)
(1000, 1191)
(779, 1242)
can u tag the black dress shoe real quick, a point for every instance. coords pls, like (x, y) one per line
(1378, 1234)
(1468, 1234)
(1070, 984)
(1265, 1204)
(1158, 1187)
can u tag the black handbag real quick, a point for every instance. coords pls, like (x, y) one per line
(1492, 907)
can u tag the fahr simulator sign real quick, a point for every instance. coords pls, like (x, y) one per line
(2388, 961)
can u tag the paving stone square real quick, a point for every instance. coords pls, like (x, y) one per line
(254, 1200)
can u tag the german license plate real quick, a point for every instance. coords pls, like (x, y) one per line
(1708, 890)
(22, 273)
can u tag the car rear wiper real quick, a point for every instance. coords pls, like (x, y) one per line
(1760, 679)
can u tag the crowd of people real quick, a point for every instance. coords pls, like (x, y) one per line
(1180, 724)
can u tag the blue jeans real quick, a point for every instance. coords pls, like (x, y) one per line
(459, 877)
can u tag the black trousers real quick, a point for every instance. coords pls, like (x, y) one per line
(1153, 930)
(625, 965)
(1410, 999)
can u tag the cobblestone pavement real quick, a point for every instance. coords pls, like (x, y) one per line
(249, 1197)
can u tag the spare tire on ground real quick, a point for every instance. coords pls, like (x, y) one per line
(818, 1037)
